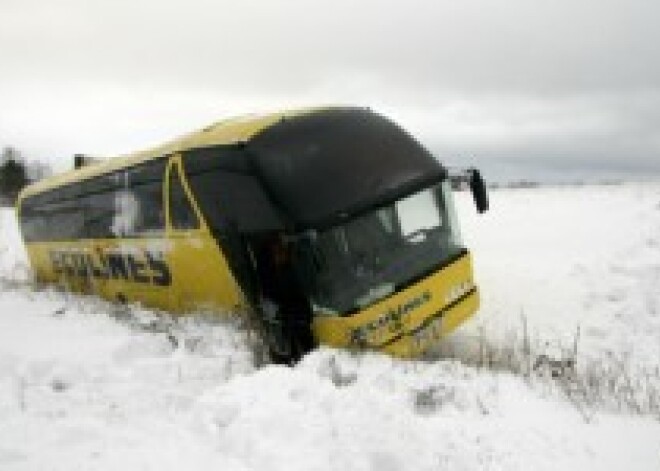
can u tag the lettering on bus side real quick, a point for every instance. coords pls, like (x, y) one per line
(139, 267)
(392, 318)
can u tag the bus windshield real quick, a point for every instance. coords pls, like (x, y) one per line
(352, 265)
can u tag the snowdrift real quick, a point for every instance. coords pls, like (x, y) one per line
(559, 370)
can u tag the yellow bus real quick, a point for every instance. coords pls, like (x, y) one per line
(329, 226)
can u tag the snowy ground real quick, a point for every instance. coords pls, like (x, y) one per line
(566, 274)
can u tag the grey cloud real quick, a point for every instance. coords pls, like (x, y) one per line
(470, 45)
(597, 135)
(519, 85)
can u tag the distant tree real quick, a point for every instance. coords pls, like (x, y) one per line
(13, 175)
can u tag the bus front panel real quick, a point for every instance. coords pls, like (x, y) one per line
(411, 321)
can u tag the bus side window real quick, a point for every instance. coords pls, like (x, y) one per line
(99, 211)
(69, 222)
(63, 215)
(182, 214)
(33, 221)
(54, 215)
(96, 201)
(149, 216)
(143, 198)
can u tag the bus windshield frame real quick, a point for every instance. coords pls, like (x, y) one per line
(356, 263)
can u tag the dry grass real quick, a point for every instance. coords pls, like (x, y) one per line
(610, 382)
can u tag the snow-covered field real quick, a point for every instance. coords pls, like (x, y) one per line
(570, 280)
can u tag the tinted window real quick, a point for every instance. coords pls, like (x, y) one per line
(181, 212)
(99, 210)
(138, 204)
(149, 213)
(124, 203)
(66, 219)
(229, 192)
(34, 221)
(45, 218)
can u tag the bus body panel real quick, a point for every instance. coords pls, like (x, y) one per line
(120, 270)
(202, 276)
(180, 273)
(410, 321)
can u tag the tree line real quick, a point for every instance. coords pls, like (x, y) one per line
(15, 173)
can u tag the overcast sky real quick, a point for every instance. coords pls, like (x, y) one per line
(522, 88)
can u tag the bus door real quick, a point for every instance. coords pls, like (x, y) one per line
(201, 279)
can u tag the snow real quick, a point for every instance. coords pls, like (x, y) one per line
(566, 257)
(84, 385)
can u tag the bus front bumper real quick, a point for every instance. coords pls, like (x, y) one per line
(411, 321)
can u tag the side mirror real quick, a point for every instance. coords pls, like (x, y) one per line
(478, 189)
